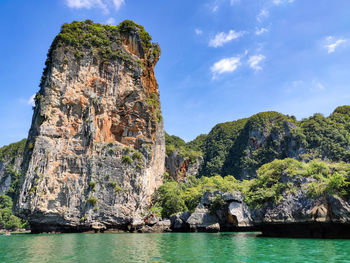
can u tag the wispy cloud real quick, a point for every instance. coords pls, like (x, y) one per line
(213, 6)
(260, 31)
(225, 65)
(278, 2)
(222, 38)
(31, 100)
(317, 85)
(105, 5)
(333, 43)
(264, 13)
(302, 86)
(255, 61)
(232, 2)
(296, 84)
(198, 31)
(87, 4)
(118, 4)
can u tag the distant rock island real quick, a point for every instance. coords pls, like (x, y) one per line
(97, 157)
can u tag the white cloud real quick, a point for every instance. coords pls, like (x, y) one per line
(214, 8)
(317, 85)
(254, 62)
(118, 4)
(260, 31)
(225, 65)
(110, 21)
(264, 13)
(300, 86)
(198, 31)
(222, 38)
(31, 101)
(333, 43)
(89, 4)
(278, 2)
(232, 2)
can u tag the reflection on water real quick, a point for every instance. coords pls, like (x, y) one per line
(169, 247)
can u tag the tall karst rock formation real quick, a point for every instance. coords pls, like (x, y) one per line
(95, 152)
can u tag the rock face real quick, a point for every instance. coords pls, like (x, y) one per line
(95, 152)
(300, 215)
(180, 167)
(11, 157)
(297, 215)
(230, 214)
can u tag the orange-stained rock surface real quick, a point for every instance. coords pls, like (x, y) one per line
(95, 151)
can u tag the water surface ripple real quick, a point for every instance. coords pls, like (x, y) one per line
(169, 247)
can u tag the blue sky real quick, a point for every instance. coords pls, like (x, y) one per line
(221, 59)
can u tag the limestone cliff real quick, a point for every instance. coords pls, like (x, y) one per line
(179, 167)
(240, 147)
(11, 157)
(95, 151)
(183, 159)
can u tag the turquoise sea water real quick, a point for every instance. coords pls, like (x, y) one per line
(169, 247)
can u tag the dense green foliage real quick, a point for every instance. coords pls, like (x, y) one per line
(332, 178)
(240, 147)
(264, 138)
(12, 150)
(83, 37)
(329, 137)
(7, 219)
(189, 150)
(198, 144)
(128, 25)
(9, 155)
(218, 143)
(174, 197)
(274, 179)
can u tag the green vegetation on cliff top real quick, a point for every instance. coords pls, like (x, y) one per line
(82, 36)
(189, 151)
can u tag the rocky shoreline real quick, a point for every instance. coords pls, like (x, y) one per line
(323, 218)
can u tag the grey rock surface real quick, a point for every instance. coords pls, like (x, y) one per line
(96, 149)
(180, 167)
